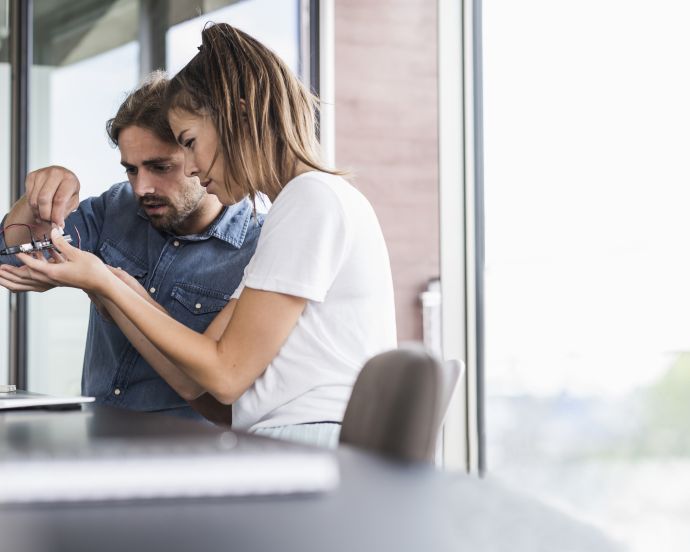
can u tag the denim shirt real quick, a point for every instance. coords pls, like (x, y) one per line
(192, 277)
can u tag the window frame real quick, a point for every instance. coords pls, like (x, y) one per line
(461, 199)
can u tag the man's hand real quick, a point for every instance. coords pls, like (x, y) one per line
(52, 194)
(20, 279)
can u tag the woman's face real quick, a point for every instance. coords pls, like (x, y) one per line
(199, 140)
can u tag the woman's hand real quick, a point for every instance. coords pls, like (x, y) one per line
(68, 266)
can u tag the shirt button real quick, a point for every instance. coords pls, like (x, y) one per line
(152, 290)
(197, 306)
(117, 392)
(176, 243)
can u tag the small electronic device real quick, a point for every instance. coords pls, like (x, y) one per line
(34, 245)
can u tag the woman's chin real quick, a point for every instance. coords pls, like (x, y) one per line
(222, 195)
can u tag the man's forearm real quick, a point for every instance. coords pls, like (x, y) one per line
(21, 213)
(213, 410)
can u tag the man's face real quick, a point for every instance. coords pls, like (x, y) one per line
(155, 169)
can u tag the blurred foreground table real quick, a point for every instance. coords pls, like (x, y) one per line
(379, 506)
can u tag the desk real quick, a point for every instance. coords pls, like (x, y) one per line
(380, 506)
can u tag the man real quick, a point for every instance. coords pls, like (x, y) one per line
(185, 249)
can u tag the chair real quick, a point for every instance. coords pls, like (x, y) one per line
(452, 370)
(398, 403)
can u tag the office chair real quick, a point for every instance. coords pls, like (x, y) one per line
(452, 370)
(398, 403)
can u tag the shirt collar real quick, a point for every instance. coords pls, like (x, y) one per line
(229, 226)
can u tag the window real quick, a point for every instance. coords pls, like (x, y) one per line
(87, 57)
(280, 31)
(586, 119)
(81, 71)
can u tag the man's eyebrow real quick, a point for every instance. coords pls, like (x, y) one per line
(157, 161)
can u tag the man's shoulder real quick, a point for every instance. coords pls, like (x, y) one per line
(116, 200)
(239, 225)
(116, 209)
(120, 193)
(253, 230)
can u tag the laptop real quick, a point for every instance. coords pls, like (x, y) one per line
(66, 459)
(11, 399)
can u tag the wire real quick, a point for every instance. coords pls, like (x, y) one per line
(29, 226)
(9, 250)
(78, 236)
(16, 249)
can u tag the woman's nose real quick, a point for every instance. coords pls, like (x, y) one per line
(190, 168)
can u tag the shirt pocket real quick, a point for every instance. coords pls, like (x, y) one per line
(197, 306)
(116, 257)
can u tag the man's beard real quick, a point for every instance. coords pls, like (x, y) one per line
(176, 216)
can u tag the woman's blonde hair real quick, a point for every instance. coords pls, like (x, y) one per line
(265, 118)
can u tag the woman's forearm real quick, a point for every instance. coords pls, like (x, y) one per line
(201, 401)
(195, 355)
(224, 368)
(183, 385)
(239, 345)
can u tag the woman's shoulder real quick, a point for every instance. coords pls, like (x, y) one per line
(315, 187)
(315, 181)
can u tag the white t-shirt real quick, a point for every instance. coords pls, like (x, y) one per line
(321, 241)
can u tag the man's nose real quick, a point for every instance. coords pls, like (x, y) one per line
(143, 184)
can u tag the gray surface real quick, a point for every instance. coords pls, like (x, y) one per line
(379, 506)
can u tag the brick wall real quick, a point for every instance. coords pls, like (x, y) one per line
(386, 133)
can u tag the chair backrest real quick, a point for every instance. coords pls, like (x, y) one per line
(452, 370)
(397, 405)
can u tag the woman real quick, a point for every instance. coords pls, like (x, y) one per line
(316, 300)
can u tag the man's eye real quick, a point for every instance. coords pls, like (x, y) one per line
(131, 170)
(161, 168)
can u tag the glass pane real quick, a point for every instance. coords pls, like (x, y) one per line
(279, 31)
(5, 106)
(86, 59)
(82, 69)
(587, 302)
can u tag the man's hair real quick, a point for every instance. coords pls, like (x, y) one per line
(144, 108)
(265, 118)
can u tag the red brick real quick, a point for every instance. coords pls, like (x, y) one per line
(387, 133)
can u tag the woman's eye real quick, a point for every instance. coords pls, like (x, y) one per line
(188, 143)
